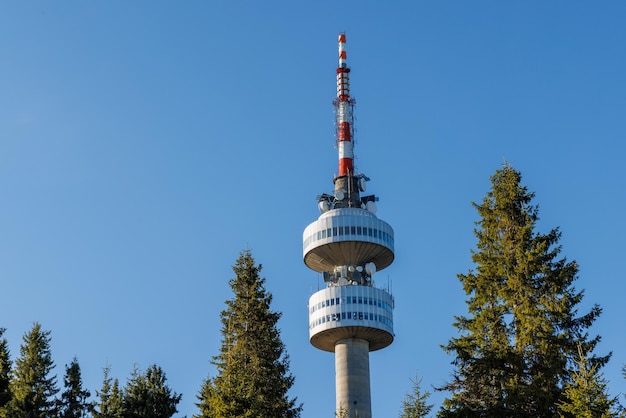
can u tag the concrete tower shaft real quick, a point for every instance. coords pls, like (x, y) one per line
(348, 244)
(352, 377)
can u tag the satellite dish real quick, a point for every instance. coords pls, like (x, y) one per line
(339, 195)
(370, 268)
(323, 206)
(342, 281)
(371, 206)
(359, 269)
(362, 184)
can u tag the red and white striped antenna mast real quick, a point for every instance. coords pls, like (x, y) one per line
(344, 116)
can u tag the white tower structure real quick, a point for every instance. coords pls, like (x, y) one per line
(348, 244)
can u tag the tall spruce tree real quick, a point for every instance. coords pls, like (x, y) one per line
(32, 385)
(5, 370)
(147, 395)
(74, 399)
(519, 342)
(253, 376)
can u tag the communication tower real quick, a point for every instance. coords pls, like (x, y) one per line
(348, 244)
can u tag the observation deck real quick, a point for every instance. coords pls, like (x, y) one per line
(347, 236)
(343, 312)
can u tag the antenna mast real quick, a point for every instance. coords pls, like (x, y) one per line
(344, 113)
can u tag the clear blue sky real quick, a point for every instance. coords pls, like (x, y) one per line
(144, 144)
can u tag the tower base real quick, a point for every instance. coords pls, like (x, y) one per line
(352, 378)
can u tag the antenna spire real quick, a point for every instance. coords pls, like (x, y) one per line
(344, 118)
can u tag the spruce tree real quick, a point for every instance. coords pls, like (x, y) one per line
(586, 395)
(253, 376)
(32, 385)
(147, 395)
(5, 370)
(519, 342)
(415, 404)
(74, 399)
(110, 398)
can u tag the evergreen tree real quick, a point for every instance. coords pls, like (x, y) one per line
(147, 395)
(5, 370)
(73, 402)
(520, 339)
(110, 395)
(32, 385)
(415, 404)
(586, 395)
(253, 376)
(620, 408)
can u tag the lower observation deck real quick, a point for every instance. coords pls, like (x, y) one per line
(347, 236)
(342, 312)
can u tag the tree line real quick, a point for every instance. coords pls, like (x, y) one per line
(30, 390)
(253, 378)
(522, 350)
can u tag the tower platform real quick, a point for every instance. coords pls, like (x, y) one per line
(342, 312)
